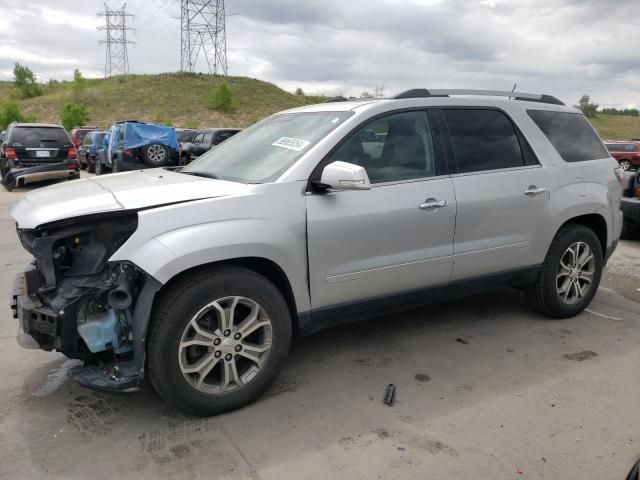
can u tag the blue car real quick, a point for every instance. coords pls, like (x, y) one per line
(133, 145)
(88, 151)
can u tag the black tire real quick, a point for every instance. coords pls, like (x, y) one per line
(155, 155)
(98, 167)
(172, 315)
(3, 167)
(81, 164)
(91, 164)
(630, 229)
(543, 294)
(115, 165)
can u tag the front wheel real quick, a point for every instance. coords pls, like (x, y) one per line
(91, 164)
(570, 274)
(218, 340)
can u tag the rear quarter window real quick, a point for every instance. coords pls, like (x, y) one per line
(571, 135)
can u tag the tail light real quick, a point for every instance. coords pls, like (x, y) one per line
(10, 153)
(619, 173)
(72, 153)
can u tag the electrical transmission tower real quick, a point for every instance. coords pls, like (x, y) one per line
(203, 32)
(115, 26)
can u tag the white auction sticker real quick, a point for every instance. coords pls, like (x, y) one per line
(291, 143)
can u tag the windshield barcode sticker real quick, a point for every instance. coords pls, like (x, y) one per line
(291, 143)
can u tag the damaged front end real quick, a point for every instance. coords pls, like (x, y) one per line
(73, 300)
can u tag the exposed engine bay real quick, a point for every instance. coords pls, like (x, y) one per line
(73, 299)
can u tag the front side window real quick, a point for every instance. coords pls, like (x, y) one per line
(264, 151)
(571, 135)
(482, 140)
(392, 148)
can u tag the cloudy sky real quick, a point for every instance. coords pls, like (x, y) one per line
(561, 47)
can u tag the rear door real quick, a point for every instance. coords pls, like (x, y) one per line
(40, 145)
(501, 190)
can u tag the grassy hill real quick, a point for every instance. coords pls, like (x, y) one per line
(617, 127)
(180, 99)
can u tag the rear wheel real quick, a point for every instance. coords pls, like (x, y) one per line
(625, 165)
(99, 167)
(91, 164)
(218, 340)
(570, 274)
(155, 155)
(3, 167)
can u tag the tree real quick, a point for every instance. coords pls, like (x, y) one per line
(589, 109)
(74, 114)
(221, 98)
(299, 91)
(79, 83)
(366, 94)
(10, 112)
(25, 81)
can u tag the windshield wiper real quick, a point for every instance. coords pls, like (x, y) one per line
(202, 174)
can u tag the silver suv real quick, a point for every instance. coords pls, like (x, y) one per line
(198, 277)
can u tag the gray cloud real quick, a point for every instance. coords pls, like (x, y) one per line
(563, 47)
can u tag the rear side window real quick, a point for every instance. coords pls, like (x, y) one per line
(570, 134)
(35, 136)
(483, 140)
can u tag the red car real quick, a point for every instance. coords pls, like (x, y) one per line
(626, 153)
(78, 134)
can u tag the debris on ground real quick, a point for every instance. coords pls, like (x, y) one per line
(390, 394)
(462, 341)
(580, 356)
(421, 377)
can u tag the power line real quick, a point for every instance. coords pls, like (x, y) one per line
(115, 27)
(203, 32)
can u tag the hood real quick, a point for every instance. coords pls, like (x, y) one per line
(120, 191)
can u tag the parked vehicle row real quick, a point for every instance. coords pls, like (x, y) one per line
(627, 153)
(197, 277)
(30, 153)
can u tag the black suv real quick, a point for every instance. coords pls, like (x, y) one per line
(33, 152)
(204, 141)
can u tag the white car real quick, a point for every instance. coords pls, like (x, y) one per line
(198, 277)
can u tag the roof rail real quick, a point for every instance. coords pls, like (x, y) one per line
(339, 98)
(529, 97)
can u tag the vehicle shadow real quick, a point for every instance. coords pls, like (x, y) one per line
(442, 359)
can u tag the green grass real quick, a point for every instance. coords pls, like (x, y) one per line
(616, 127)
(180, 99)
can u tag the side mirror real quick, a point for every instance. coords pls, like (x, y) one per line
(345, 176)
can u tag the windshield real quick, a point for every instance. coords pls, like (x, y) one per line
(262, 152)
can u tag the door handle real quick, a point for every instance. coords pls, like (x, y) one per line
(431, 203)
(533, 190)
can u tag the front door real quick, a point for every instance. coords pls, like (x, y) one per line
(395, 237)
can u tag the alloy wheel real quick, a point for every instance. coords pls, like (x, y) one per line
(625, 165)
(225, 345)
(574, 277)
(156, 153)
